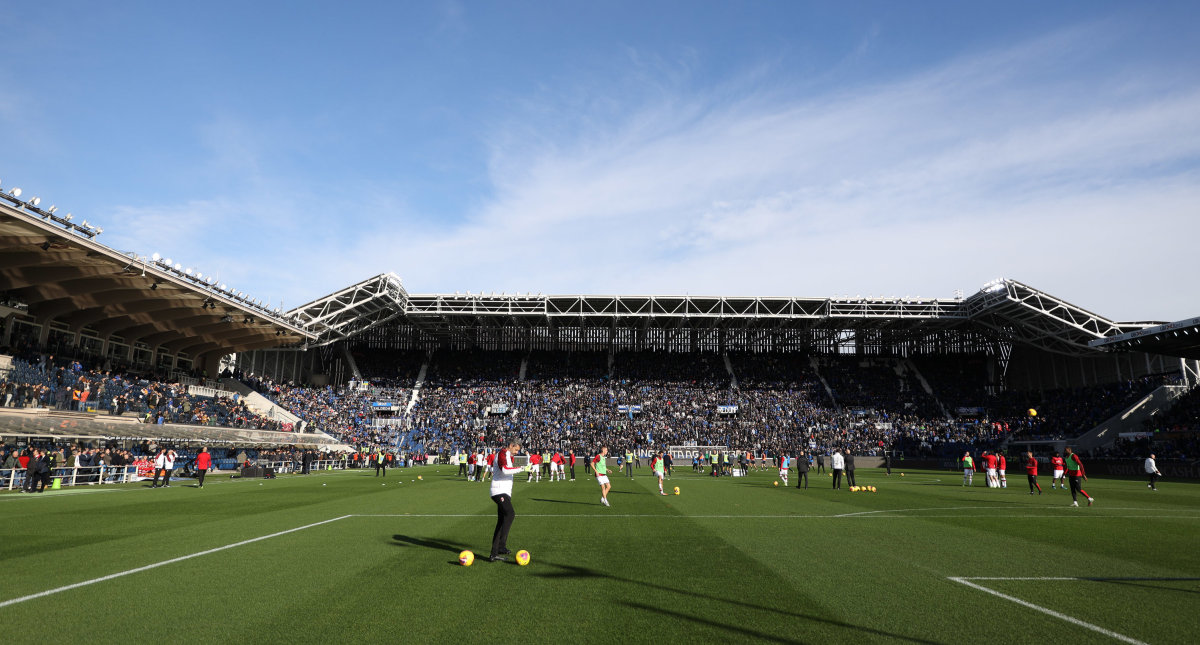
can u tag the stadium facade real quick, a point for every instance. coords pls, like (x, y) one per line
(59, 285)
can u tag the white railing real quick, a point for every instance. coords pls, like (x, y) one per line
(14, 478)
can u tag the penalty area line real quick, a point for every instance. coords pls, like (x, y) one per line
(1049, 612)
(111, 576)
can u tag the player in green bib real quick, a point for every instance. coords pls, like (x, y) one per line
(968, 466)
(600, 465)
(660, 470)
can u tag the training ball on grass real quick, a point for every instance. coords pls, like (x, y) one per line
(872, 489)
(776, 483)
(466, 558)
(522, 557)
(901, 474)
(676, 490)
(854, 489)
(420, 477)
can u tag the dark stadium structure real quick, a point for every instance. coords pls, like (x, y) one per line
(62, 290)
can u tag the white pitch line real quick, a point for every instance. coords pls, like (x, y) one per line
(50, 592)
(1051, 612)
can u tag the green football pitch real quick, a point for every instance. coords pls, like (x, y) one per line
(346, 556)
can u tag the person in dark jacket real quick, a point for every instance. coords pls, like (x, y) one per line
(801, 470)
(850, 469)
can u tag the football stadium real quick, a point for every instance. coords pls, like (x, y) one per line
(385, 463)
(113, 359)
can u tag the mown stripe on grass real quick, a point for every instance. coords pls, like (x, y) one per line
(50, 592)
(1049, 612)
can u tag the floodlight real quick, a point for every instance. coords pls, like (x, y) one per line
(199, 276)
(35, 201)
(188, 271)
(16, 192)
(52, 209)
(156, 257)
(69, 217)
(178, 266)
(167, 261)
(99, 230)
(84, 224)
(224, 287)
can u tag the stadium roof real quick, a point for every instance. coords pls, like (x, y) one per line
(53, 270)
(1005, 308)
(1180, 339)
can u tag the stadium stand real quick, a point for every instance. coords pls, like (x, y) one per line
(128, 343)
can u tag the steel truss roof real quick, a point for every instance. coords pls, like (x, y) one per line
(354, 309)
(1009, 309)
(1180, 338)
(1023, 314)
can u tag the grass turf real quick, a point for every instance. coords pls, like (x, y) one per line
(735, 558)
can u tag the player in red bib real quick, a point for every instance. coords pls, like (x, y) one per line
(1001, 466)
(1031, 466)
(1074, 474)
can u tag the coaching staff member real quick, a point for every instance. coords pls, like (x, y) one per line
(850, 481)
(502, 485)
(802, 470)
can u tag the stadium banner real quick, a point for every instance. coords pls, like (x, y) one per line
(629, 409)
(970, 412)
(384, 406)
(499, 408)
(208, 392)
(727, 409)
(687, 452)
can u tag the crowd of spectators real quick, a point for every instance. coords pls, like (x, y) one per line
(71, 385)
(627, 400)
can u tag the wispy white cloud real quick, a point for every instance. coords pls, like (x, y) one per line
(995, 164)
(1028, 162)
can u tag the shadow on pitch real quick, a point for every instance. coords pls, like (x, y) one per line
(428, 543)
(560, 501)
(571, 571)
(1145, 583)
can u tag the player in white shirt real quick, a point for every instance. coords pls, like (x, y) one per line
(503, 470)
(1152, 471)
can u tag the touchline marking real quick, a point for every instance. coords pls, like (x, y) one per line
(50, 592)
(1050, 612)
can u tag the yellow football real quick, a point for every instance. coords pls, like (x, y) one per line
(466, 558)
(522, 557)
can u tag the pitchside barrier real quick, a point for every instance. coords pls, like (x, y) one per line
(14, 478)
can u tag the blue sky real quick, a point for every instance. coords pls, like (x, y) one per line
(748, 148)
